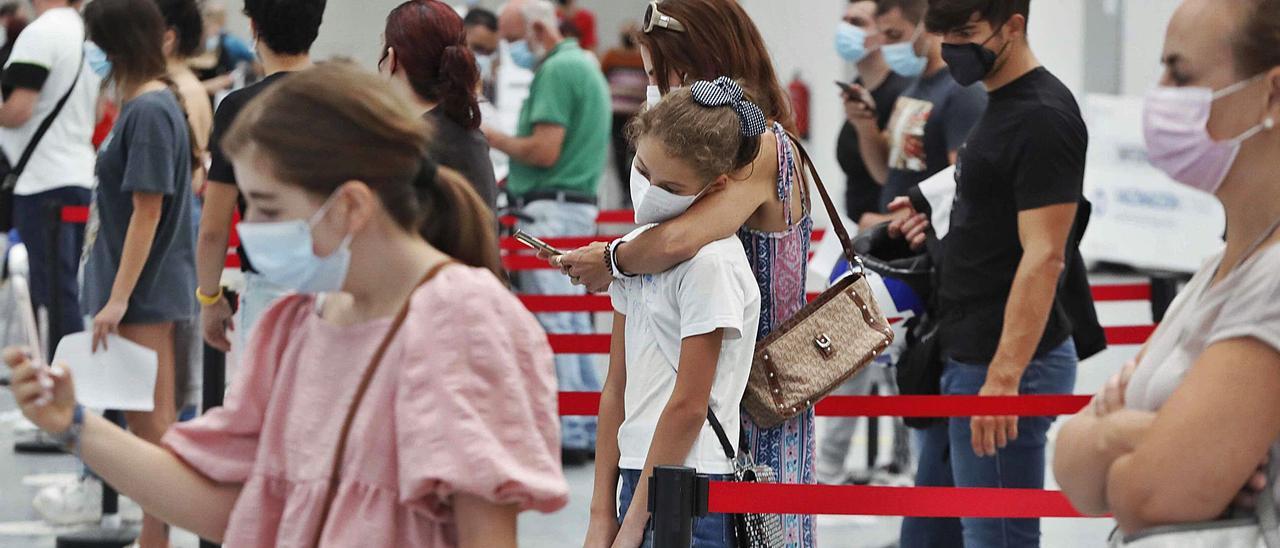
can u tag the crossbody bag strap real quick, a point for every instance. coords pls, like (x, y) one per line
(340, 452)
(724, 438)
(837, 224)
(12, 179)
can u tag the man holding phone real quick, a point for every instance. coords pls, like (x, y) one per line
(931, 118)
(858, 41)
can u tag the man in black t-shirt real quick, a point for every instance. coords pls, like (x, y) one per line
(285, 30)
(1004, 326)
(863, 192)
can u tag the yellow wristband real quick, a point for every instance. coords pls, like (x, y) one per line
(206, 300)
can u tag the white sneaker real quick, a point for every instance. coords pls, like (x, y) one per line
(80, 502)
(74, 503)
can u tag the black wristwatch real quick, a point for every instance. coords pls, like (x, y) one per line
(69, 439)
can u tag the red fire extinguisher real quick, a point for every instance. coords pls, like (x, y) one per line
(799, 92)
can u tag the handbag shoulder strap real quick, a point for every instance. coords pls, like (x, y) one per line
(363, 387)
(837, 223)
(724, 438)
(46, 124)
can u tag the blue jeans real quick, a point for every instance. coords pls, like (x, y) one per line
(33, 222)
(574, 372)
(712, 531)
(947, 457)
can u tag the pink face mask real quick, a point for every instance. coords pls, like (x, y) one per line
(1175, 127)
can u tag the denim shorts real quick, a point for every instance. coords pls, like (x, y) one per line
(710, 531)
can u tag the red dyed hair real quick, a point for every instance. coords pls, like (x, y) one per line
(430, 46)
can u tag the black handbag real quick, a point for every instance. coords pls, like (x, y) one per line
(752, 530)
(9, 172)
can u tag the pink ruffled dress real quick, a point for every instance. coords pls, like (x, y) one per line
(464, 402)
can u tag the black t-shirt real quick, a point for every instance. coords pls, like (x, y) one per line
(1027, 152)
(863, 192)
(931, 119)
(220, 170)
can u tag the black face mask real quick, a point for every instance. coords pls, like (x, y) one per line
(970, 62)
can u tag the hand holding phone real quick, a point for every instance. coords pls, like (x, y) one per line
(535, 243)
(22, 298)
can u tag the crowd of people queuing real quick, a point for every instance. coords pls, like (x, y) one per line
(368, 231)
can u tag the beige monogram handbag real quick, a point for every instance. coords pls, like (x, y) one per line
(825, 343)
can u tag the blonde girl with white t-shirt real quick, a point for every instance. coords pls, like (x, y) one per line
(682, 339)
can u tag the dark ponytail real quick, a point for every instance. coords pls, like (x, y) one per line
(456, 89)
(455, 219)
(430, 44)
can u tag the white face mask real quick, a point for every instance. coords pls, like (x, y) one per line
(282, 253)
(656, 205)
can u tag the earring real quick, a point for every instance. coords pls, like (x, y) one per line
(1269, 123)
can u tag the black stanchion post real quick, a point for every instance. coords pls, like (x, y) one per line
(1163, 289)
(672, 502)
(53, 333)
(213, 387)
(873, 436)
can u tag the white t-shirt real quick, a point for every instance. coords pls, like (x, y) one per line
(65, 156)
(713, 290)
(1245, 304)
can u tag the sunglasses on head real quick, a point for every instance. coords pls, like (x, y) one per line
(654, 18)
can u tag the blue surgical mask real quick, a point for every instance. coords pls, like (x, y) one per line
(282, 253)
(851, 42)
(522, 55)
(902, 58)
(485, 64)
(97, 59)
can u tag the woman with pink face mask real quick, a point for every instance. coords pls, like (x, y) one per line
(1186, 431)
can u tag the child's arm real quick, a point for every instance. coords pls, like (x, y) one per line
(603, 527)
(679, 425)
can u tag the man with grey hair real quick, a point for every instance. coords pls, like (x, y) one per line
(557, 158)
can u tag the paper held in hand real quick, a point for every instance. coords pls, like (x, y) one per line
(123, 377)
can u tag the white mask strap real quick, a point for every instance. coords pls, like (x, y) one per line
(1231, 89)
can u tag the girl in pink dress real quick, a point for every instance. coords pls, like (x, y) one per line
(454, 428)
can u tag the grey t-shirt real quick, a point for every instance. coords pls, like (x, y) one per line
(1245, 304)
(465, 151)
(930, 120)
(149, 151)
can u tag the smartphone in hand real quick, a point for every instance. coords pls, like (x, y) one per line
(535, 243)
(27, 315)
(852, 93)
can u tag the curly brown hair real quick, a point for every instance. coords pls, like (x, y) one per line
(708, 139)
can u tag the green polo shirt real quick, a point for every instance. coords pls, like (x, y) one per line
(568, 90)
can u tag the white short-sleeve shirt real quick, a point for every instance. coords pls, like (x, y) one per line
(713, 290)
(1245, 304)
(65, 156)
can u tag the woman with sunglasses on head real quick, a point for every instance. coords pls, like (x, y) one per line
(765, 203)
(397, 399)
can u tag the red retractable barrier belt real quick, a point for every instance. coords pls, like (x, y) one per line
(739, 498)
(599, 343)
(588, 404)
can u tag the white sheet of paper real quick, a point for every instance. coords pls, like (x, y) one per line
(123, 377)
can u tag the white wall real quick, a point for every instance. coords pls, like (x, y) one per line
(1144, 26)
